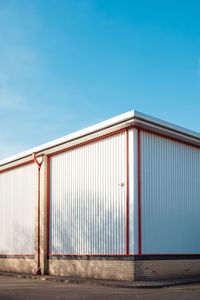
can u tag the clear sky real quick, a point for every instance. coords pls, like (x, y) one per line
(65, 65)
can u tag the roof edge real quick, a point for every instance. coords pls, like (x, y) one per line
(72, 136)
(166, 124)
(132, 115)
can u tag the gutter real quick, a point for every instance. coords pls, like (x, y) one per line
(132, 118)
(71, 137)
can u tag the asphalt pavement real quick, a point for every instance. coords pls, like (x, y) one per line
(23, 288)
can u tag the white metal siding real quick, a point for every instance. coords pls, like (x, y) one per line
(17, 200)
(87, 204)
(133, 192)
(170, 196)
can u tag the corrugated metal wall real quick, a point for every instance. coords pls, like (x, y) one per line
(170, 196)
(133, 192)
(87, 202)
(17, 200)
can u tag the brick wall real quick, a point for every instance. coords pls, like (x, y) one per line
(165, 269)
(98, 269)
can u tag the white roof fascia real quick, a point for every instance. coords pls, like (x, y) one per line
(167, 125)
(92, 129)
(132, 117)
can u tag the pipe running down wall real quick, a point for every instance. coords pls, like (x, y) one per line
(38, 271)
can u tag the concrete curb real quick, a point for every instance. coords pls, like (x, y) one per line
(111, 283)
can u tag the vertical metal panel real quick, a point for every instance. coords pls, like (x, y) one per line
(17, 200)
(87, 202)
(133, 192)
(170, 186)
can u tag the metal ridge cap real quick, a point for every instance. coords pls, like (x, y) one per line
(166, 125)
(70, 137)
(165, 132)
(133, 115)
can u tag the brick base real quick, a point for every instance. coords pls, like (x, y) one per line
(166, 269)
(114, 269)
(97, 269)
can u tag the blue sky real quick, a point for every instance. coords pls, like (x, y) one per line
(65, 65)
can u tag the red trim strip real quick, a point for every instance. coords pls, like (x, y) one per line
(17, 166)
(167, 137)
(109, 134)
(48, 199)
(127, 194)
(139, 197)
(17, 254)
(91, 255)
(158, 254)
(171, 254)
(90, 141)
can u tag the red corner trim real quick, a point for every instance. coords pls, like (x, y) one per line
(48, 199)
(127, 194)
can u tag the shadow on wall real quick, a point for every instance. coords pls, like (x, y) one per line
(19, 265)
(88, 225)
(13, 255)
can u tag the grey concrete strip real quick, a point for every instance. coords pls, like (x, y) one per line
(112, 283)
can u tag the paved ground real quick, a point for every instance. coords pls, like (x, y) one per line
(19, 288)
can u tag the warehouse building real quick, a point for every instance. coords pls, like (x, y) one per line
(118, 200)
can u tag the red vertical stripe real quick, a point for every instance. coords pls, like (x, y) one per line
(48, 191)
(139, 197)
(127, 195)
(39, 239)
